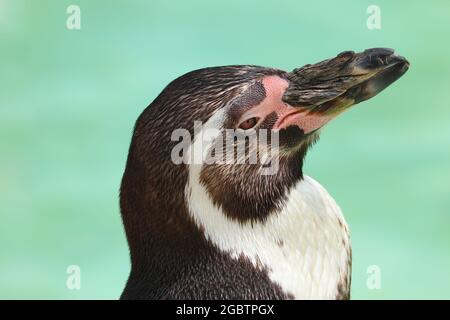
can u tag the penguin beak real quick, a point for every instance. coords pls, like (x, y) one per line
(324, 90)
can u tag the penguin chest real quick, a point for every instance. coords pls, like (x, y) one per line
(308, 252)
(304, 247)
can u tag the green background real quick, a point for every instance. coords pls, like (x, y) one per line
(69, 99)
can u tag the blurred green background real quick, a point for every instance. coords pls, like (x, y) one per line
(69, 99)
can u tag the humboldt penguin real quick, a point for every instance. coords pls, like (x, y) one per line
(235, 229)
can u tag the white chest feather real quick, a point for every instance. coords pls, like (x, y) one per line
(304, 247)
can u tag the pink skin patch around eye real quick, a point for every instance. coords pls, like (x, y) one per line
(287, 114)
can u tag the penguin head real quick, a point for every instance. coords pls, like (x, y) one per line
(242, 132)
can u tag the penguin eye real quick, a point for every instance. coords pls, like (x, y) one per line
(249, 123)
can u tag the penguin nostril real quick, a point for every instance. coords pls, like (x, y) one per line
(249, 123)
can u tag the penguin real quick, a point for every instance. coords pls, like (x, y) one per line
(230, 229)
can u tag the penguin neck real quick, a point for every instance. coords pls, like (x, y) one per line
(304, 244)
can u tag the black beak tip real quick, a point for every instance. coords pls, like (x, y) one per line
(377, 58)
(396, 59)
(388, 68)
